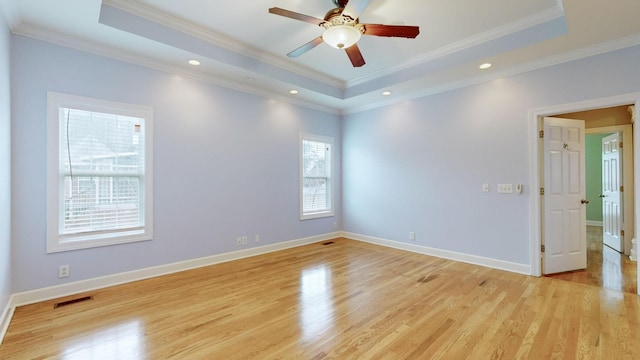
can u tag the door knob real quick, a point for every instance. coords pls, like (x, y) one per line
(602, 195)
(584, 201)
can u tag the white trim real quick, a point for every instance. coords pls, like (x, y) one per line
(594, 223)
(303, 136)
(53, 292)
(636, 181)
(5, 317)
(534, 163)
(342, 108)
(543, 63)
(55, 202)
(172, 22)
(445, 254)
(90, 47)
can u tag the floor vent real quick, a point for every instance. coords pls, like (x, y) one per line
(328, 243)
(72, 301)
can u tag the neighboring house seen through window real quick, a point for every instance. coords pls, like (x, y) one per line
(316, 182)
(99, 173)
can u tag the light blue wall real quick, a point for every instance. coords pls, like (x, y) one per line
(225, 163)
(593, 167)
(419, 165)
(5, 165)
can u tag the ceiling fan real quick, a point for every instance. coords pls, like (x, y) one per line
(342, 29)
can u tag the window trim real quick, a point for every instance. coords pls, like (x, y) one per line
(330, 182)
(57, 242)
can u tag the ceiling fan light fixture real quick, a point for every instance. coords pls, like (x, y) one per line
(341, 36)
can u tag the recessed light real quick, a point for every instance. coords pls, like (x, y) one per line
(293, 92)
(386, 93)
(484, 66)
(194, 62)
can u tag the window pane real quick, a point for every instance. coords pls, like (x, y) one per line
(315, 159)
(101, 158)
(315, 176)
(101, 203)
(93, 141)
(314, 192)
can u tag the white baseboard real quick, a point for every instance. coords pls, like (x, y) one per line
(594, 223)
(53, 292)
(5, 317)
(446, 254)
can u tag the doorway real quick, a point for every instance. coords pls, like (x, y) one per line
(607, 266)
(537, 165)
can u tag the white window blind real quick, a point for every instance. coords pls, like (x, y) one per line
(99, 179)
(316, 181)
(102, 161)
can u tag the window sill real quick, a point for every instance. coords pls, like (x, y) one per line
(316, 215)
(79, 242)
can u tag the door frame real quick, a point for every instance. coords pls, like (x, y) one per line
(535, 165)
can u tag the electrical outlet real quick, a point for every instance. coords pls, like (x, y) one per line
(412, 236)
(505, 188)
(239, 240)
(244, 240)
(63, 271)
(256, 238)
(485, 187)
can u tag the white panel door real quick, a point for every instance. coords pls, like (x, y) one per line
(611, 195)
(564, 220)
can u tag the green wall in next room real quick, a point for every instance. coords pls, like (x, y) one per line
(593, 169)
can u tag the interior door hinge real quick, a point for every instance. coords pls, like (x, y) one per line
(541, 134)
(542, 248)
(621, 188)
(621, 144)
(542, 191)
(621, 233)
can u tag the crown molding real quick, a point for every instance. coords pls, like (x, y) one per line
(475, 40)
(115, 53)
(581, 53)
(228, 43)
(148, 62)
(593, 50)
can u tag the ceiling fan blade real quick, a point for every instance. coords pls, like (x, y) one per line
(391, 30)
(355, 7)
(295, 15)
(306, 47)
(355, 55)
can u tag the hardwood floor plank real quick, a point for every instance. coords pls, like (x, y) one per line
(605, 267)
(340, 301)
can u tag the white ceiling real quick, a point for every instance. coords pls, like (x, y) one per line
(242, 46)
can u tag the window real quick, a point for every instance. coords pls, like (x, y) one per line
(99, 173)
(316, 183)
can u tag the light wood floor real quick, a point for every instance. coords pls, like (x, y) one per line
(340, 301)
(605, 267)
